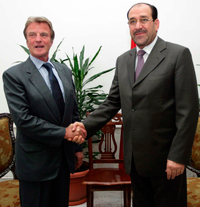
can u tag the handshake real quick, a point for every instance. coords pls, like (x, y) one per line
(76, 132)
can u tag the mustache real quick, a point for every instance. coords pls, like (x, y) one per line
(139, 31)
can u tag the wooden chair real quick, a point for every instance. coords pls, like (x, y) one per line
(193, 183)
(9, 189)
(107, 178)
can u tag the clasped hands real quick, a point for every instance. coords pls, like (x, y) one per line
(76, 132)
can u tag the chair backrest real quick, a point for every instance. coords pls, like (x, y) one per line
(108, 144)
(7, 144)
(195, 156)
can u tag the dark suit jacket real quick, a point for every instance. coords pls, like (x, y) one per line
(160, 110)
(40, 129)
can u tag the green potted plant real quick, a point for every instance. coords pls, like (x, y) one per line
(88, 99)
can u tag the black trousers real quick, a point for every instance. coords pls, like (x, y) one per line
(158, 191)
(51, 193)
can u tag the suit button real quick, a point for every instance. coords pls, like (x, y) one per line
(133, 110)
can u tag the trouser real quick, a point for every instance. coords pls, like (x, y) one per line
(50, 193)
(158, 191)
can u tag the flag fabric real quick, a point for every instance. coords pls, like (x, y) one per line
(121, 154)
(132, 44)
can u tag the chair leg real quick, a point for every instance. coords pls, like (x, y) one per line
(90, 197)
(127, 198)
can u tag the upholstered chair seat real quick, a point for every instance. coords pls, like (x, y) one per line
(193, 183)
(9, 193)
(193, 192)
(9, 189)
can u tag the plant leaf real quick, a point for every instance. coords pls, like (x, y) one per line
(55, 52)
(97, 75)
(95, 55)
(25, 49)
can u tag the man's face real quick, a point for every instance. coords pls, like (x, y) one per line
(38, 39)
(142, 34)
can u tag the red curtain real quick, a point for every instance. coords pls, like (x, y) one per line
(121, 154)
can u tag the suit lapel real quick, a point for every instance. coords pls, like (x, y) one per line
(130, 64)
(39, 83)
(156, 56)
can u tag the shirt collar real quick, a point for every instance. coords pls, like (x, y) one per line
(38, 63)
(149, 47)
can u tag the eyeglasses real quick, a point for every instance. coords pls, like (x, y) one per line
(142, 21)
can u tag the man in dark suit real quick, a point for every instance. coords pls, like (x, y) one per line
(44, 156)
(160, 112)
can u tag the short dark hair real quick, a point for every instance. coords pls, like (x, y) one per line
(154, 10)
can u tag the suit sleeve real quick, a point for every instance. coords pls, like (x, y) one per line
(187, 106)
(106, 110)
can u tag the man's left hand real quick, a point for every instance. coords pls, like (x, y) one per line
(174, 169)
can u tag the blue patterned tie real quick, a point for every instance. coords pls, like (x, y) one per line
(140, 63)
(55, 88)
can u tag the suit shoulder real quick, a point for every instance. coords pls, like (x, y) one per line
(60, 65)
(63, 66)
(175, 46)
(127, 54)
(179, 50)
(15, 68)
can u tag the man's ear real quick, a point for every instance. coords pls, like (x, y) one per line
(27, 43)
(157, 24)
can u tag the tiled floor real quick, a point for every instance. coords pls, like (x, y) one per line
(107, 199)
